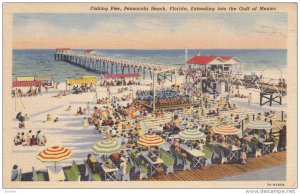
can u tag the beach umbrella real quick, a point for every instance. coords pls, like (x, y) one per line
(260, 125)
(191, 135)
(106, 147)
(150, 140)
(54, 154)
(226, 130)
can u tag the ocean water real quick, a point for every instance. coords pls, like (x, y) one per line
(42, 63)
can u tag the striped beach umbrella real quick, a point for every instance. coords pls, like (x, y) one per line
(191, 135)
(106, 147)
(150, 140)
(259, 125)
(226, 130)
(54, 154)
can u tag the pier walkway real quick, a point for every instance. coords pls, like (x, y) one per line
(93, 61)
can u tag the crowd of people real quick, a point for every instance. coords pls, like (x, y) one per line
(165, 96)
(195, 73)
(129, 133)
(120, 82)
(114, 114)
(122, 98)
(122, 123)
(30, 139)
(83, 88)
(32, 91)
(282, 83)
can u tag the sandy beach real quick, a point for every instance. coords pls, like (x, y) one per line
(69, 132)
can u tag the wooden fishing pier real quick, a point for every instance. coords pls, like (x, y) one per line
(92, 61)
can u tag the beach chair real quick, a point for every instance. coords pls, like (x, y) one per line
(168, 161)
(144, 172)
(179, 163)
(73, 173)
(19, 177)
(275, 148)
(253, 149)
(89, 173)
(126, 177)
(186, 162)
(142, 167)
(218, 152)
(208, 151)
(37, 176)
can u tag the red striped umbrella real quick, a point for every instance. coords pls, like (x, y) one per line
(54, 154)
(26, 83)
(226, 130)
(150, 140)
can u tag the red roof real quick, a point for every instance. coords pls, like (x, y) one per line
(204, 60)
(26, 83)
(115, 76)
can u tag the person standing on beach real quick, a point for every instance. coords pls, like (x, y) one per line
(85, 123)
(249, 98)
(46, 88)
(14, 173)
(88, 107)
(232, 92)
(108, 92)
(40, 90)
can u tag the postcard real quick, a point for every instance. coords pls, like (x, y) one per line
(150, 95)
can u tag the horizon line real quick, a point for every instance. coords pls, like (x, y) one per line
(153, 48)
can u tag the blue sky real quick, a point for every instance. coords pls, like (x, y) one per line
(213, 30)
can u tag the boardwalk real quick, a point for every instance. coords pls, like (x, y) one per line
(219, 171)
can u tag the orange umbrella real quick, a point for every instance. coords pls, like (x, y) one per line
(150, 140)
(54, 154)
(226, 130)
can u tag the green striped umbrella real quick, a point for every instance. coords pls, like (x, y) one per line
(106, 147)
(260, 125)
(191, 135)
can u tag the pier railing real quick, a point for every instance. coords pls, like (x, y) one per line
(105, 64)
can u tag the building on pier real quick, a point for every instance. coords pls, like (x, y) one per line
(216, 74)
(60, 53)
(206, 71)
